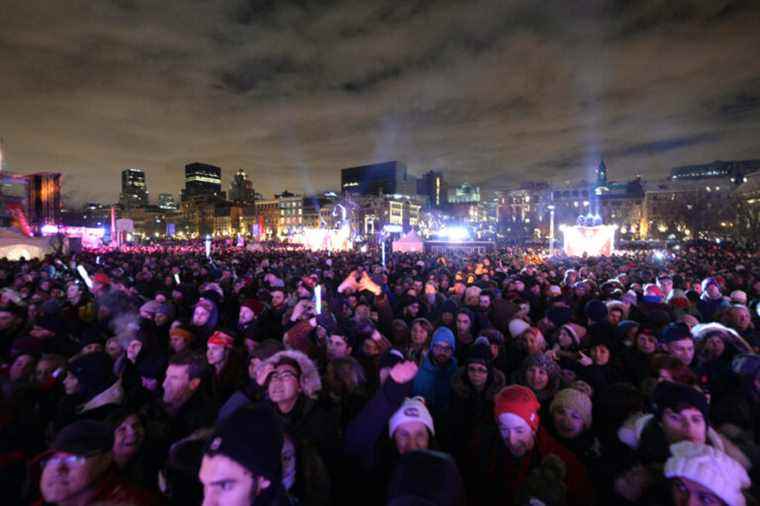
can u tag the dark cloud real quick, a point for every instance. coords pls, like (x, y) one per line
(494, 92)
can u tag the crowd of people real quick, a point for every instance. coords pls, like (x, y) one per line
(157, 375)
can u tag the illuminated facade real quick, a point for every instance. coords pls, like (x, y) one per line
(44, 199)
(202, 179)
(134, 192)
(434, 187)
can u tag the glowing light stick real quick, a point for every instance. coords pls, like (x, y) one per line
(176, 278)
(83, 272)
(208, 246)
(318, 295)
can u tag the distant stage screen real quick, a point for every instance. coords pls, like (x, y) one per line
(321, 239)
(592, 241)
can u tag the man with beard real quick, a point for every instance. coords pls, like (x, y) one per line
(433, 381)
(270, 321)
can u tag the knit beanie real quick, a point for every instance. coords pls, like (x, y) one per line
(544, 362)
(518, 400)
(577, 332)
(675, 331)
(425, 477)
(677, 396)
(571, 398)
(412, 410)
(252, 437)
(94, 372)
(443, 334)
(739, 297)
(254, 305)
(222, 339)
(517, 327)
(480, 352)
(709, 467)
(595, 310)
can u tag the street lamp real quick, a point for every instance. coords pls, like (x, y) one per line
(551, 228)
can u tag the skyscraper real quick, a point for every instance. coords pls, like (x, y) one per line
(134, 192)
(166, 201)
(387, 177)
(241, 188)
(202, 179)
(433, 186)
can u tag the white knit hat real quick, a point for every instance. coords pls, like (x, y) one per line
(739, 297)
(709, 467)
(517, 327)
(412, 410)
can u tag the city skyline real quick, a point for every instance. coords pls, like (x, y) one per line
(490, 93)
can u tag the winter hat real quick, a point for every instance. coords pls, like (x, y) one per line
(653, 294)
(518, 400)
(222, 339)
(101, 278)
(183, 333)
(425, 477)
(443, 334)
(390, 358)
(554, 291)
(559, 315)
(254, 305)
(83, 437)
(150, 307)
(709, 467)
(479, 352)
(709, 281)
(624, 326)
(570, 398)
(577, 332)
(739, 297)
(252, 437)
(166, 309)
(677, 396)
(94, 372)
(544, 362)
(517, 327)
(152, 365)
(595, 310)
(675, 331)
(206, 304)
(412, 410)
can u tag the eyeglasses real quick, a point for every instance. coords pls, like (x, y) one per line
(67, 460)
(283, 376)
(442, 348)
(477, 370)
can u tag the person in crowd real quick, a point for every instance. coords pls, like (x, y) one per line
(227, 371)
(433, 381)
(242, 464)
(79, 469)
(505, 455)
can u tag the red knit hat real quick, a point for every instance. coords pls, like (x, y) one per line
(221, 339)
(254, 305)
(102, 278)
(520, 401)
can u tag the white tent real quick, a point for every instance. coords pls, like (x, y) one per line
(408, 243)
(14, 245)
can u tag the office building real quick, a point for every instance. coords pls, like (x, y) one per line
(166, 202)
(202, 180)
(241, 188)
(434, 187)
(379, 178)
(134, 192)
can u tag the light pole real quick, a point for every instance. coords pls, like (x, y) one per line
(551, 229)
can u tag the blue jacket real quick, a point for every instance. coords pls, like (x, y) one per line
(434, 384)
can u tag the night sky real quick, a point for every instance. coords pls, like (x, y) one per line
(493, 92)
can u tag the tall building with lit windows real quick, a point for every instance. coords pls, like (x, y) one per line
(202, 179)
(134, 191)
(434, 187)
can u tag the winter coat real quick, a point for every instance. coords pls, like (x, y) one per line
(434, 384)
(469, 409)
(493, 476)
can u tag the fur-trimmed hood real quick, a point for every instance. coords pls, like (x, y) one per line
(112, 395)
(311, 384)
(462, 388)
(729, 335)
(630, 433)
